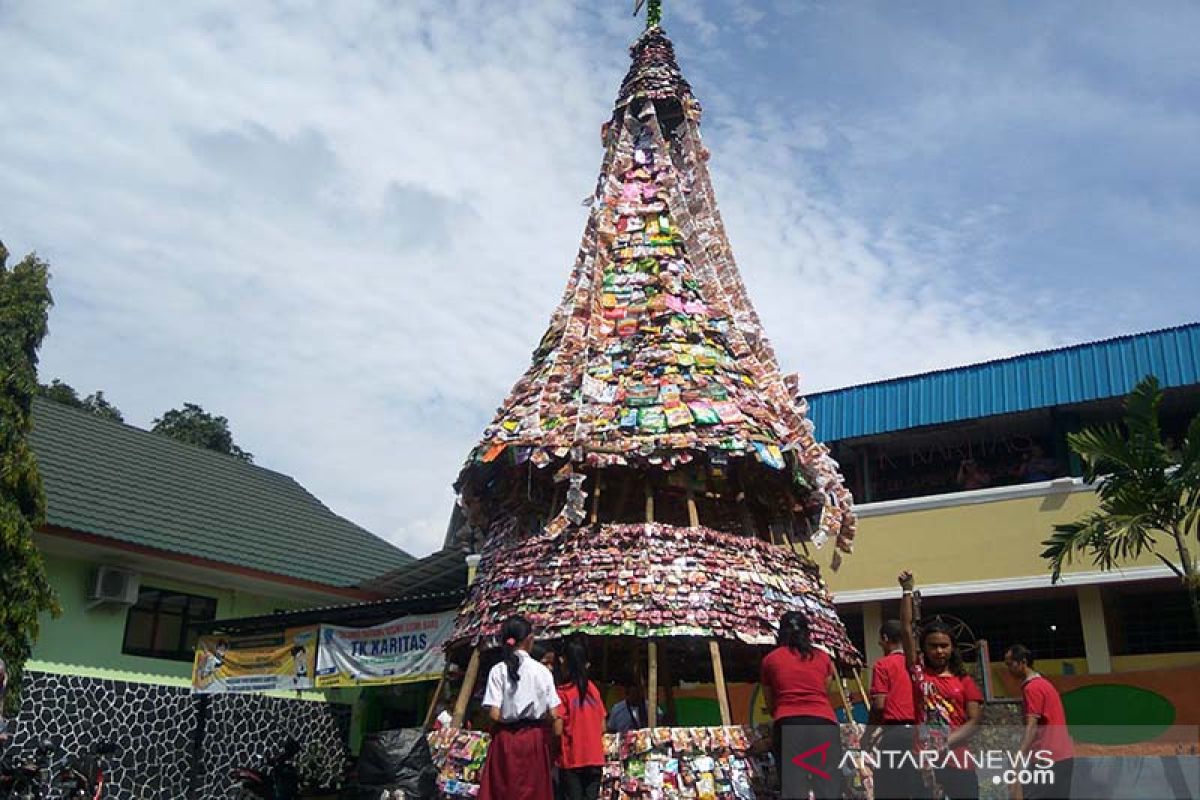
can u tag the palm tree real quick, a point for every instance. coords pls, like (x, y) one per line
(1146, 492)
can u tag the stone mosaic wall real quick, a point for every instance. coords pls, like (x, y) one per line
(154, 728)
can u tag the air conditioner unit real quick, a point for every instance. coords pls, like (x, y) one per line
(112, 585)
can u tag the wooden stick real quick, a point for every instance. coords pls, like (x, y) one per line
(861, 691)
(652, 690)
(596, 498)
(649, 502)
(433, 702)
(714, 650)
(464, 693)
(846, 701)
(693, 514)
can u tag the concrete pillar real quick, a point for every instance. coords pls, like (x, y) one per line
(872, 616)
(1095, 634)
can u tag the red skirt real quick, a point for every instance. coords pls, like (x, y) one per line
(518, 764)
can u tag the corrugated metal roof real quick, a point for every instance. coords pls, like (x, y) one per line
(1076, 374)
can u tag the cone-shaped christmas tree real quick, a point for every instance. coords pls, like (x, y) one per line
(653, 473)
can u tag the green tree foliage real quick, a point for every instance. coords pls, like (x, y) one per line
(194, 425)
(94, 403)
(1149, 495)
(25, 591)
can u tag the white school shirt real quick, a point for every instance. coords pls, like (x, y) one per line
(527, 699)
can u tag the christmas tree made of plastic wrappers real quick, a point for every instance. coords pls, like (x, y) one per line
(654, 395)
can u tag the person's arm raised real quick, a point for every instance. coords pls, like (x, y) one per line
(907, 640)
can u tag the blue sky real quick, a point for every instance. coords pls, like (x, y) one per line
(344, 226)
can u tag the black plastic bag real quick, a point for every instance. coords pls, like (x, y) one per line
(397, 759)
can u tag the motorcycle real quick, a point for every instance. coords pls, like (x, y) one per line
(82, 777)
(274, 778)
(28, 778)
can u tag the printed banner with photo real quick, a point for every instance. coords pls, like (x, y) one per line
(401, 651)
(262, 663)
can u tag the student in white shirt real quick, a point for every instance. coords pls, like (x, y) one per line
(522, 700)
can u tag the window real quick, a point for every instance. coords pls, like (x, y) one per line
(158, 626)
(1049, 626)
(1152, 620)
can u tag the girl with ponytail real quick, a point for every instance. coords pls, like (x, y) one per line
(796, 680)
(521, 701)
(581, 751)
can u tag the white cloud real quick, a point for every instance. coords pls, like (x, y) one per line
(345, 226)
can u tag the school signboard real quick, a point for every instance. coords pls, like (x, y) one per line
(404, 650)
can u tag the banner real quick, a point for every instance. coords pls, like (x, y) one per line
(401, 651)
(261, 663)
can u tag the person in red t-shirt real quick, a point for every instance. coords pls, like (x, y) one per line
(795, 681)
(1046, 733)
(947, 702)
(581, 746)
(892, 719)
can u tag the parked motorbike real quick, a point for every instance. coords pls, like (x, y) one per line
(29, 777)
(82, 777)
(273, 778)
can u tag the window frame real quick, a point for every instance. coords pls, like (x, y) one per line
(185, 644)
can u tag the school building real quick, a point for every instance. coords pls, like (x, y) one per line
(147, 538)
(961, 474)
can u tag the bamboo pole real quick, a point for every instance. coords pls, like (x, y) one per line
(596, 498)
(464, 693)
(714, 650)
(649, 502)
(652, 689)
(846, 701)
(861, 691)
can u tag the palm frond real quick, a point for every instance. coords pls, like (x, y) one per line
(1069, 539)
(1107, 538)
(1141, 413)
(1103, 449)
(1189, 461)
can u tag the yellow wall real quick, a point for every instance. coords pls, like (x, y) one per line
(979, 542)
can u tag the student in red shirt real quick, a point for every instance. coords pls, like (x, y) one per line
(1046, 732)
(581, 746)
(948, 704)
(892, 719)
(795, 681)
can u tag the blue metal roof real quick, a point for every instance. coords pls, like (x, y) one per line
(1076, 374)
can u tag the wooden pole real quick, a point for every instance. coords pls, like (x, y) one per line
(649, 502)
(693, 514)
(596, 498)
(433, 702)
(861, 691)
(845, 701)
(652, 689)
(714, 650)
(464, 694)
